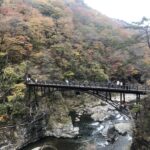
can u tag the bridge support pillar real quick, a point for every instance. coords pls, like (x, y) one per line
(108, 96)
(29, 90)
(41, 90)
(122, 98)
(138, 97)
(44, 90)
(36, 96)
(34, 89)
(30, 99)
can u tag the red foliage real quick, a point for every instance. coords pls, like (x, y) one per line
(7, 11)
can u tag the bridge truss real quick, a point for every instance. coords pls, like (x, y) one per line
(103, 91)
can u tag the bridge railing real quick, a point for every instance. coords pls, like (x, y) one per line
(112, 85)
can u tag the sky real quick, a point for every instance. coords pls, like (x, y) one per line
(127, 10)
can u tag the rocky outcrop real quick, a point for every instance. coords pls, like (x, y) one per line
(23, 134)
(62, 130)
(100, 113)
(123, 128)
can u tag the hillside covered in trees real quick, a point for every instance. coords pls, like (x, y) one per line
(55, 40)
(64, 39)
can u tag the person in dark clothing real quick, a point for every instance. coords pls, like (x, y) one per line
(124, 84)
(28, 78)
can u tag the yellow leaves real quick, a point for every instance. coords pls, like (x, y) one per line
(38, 55)
(69, 74)
(19, 88)
(12, 75)
(11, 98)
(9, 72)
(21, 68)
(77, 54)
(98, 72)
(17, 92)
(2, 54)
(15, 73)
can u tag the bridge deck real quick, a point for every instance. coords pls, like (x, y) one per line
(133, 89)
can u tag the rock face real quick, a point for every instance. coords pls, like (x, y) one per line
(100, 113)
(63, 131)
(49, 120)
(24, 134)
(97, 111)
(123, 128)
(53, 120)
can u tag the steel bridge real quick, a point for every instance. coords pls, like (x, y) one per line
(103, 91)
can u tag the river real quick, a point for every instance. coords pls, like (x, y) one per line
(112, 133)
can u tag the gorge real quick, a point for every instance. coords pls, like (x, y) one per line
(61, 40)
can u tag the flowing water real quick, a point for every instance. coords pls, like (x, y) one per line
(93, 136)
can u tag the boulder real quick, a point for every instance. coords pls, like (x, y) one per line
(100, 113)
(111, 134)
(62, 130)
(123, 128)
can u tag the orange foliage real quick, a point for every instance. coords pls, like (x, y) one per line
(3, 118)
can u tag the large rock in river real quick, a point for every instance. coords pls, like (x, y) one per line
(123, 128)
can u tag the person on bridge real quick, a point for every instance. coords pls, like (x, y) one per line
(124, 85)
(118, 83)
(28, 78)
(36, 80)
(67, 82)
(121, 84)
